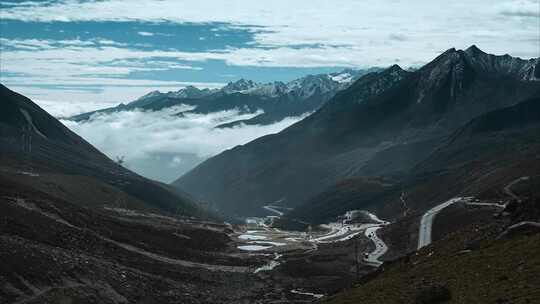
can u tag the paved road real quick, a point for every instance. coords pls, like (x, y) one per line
(380, 246)
(375, 218)
(488, 205)
(426, 224)
(508, 188)
(310, 294)
(337, 232)
(273, 209)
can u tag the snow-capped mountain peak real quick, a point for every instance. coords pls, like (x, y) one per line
(239, 86)
(191, 92)
(271, 89)
(302, 88)
(345, 76)
(297, 89)
(150, 95)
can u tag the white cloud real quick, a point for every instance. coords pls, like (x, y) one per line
(71, 107)
(366, 25)
(102, 70)
(72, 65)
(172, 144)
(44, 60)
(145, 33)
(175, 162)
(302, 33)
(521, 8)
(77, 96)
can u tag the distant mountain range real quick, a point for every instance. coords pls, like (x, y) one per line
(386, 125)
(277, 99)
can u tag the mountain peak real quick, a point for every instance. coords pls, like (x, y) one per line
(473, 49)
(449, 51)
(239, 85)
(190, 92)
(395, 72)
(502, 65)
(191, 88)
(149, 95)
(395, 68)
(445, 59)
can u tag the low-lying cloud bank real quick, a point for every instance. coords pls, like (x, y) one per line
(163, 145)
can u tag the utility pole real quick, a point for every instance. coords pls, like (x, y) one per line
(26, 143)
(30, 152)
(177, 216)
(356, 259)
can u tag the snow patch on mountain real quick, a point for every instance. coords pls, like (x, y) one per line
(301, 88)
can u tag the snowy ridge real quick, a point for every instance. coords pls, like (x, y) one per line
(302, 88)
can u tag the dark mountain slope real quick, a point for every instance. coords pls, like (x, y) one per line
(489, 134)
(55, 251)
(39, 151)
(521, 115)
(487, 153)
(361, 127)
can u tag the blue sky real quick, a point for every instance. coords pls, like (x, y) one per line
(73, 56)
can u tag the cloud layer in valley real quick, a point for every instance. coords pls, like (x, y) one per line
(162, 145)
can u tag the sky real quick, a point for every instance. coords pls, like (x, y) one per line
(87, 54)
(74, 56)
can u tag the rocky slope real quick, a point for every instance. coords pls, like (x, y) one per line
(55, 251)
(37, 150)
(469, 263)
(487, 153)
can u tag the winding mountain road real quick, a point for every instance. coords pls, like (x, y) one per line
(380, 247)
(336, 232)
(426, 224)
(508, 188)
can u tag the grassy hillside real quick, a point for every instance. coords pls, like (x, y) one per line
(472, 265)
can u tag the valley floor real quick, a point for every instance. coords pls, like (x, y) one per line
(56, 252)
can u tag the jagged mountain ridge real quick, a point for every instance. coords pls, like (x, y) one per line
(379, 116)
(277, 99)
(505, 64)
(303, 87)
